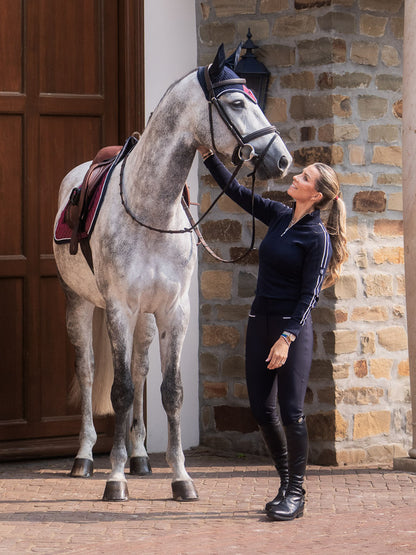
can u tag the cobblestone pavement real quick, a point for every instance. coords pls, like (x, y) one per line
(349, 510)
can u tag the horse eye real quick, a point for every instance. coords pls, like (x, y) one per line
(238, 104)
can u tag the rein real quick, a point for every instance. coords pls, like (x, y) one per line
(243, 152)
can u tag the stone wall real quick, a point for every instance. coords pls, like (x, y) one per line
(335, 94)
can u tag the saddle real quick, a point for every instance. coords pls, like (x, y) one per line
(76, 210)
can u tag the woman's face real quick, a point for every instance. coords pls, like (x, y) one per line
(303, 188)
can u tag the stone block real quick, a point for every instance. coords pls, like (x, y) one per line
(307, 133)
(326, 395)
(346, 287)
(323, 315)
(398, 109)
(215, 33)
(401, 285)
(338, 22)
(307, 4)
(234, 367)
(397, 27)
(355, 178)
(369, 201)
(383, 134)
(389, 82)
(302, 80)
(327, 426)
(341, 371)
(238, 419)
(368, 347)
(273, 6)
(323, 51)
(333, 133)
(387, 155)
(386, 453)
(395, 202)
(232, 312)
(388, 228)
(370, 314)
(277, 55)
(357, 155)
(276, 109)
(372, 25)
(294, 25)
(351, 456)
(207, 418)
(251, 258)
(360, 395)
(216, 284)
(208, 364)
(322, 107)
(360, 368)
(371, 424)
(240, 391)
(403, 368)
(392, 6)
(321, 369)
(393, 338)
(260, 28)
(308, 155)
(215, 390)
(381, 368)
(372, 107)
(352, 229)
(329, 80)
(364, 53)
(228, 8)
(246, 285)
(225, 204)
(361, 259)
(389, 179)
(378, 285)
(214, 336)
(226, 230)
(390, 255)
(390, 56)
(340, 341)
(399, 311)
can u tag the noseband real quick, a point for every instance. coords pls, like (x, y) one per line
(243, 152)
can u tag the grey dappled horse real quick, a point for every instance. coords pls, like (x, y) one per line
(141, 277)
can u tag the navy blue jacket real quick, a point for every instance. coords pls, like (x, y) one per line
(292, 260)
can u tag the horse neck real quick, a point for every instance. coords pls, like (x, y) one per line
(158, 166)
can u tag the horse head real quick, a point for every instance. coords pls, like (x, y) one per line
(238, 127)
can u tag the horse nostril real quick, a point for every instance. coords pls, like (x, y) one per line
(283, 163)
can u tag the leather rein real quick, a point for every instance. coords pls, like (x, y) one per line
(243, 152)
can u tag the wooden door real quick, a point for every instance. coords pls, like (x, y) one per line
(61, 99)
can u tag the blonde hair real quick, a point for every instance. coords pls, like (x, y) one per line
(336, 224)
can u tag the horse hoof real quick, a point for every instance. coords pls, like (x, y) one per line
(82, 468)
(184, 491)
(116, 491)
(140, 466)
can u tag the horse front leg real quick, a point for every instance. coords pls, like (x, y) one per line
(143, 336)
(172, 329)
(120, 331)
(79, 316)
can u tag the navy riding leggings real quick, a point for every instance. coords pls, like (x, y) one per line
(285, 385)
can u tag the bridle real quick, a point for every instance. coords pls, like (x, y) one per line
(243, 152)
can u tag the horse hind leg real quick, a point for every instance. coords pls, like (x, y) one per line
(79, 325)
(171, 335)
(143, 336)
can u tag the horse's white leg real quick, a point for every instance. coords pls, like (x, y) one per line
(172, 328)
(143, 336)
(79, 324)
(120, 331)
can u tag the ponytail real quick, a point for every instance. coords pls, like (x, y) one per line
(336, 223)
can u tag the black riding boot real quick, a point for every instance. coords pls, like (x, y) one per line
(275, 439)
(293, 504)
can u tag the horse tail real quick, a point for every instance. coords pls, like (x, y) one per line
(104, 371)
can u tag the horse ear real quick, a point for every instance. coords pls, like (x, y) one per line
(232, 61)
(218, 63)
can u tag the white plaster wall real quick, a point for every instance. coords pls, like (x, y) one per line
(170, 52)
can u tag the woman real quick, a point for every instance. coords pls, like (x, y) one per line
(298, 255)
